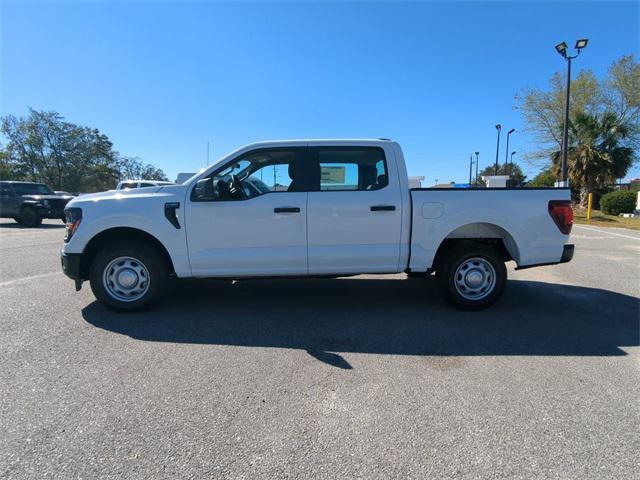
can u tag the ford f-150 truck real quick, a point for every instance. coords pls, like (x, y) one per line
(311, 208)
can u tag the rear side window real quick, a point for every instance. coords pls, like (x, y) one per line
(350, 168)
(129, 185)
(142, 185)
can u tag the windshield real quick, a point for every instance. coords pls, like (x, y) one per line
(234, 169)
(31, 189)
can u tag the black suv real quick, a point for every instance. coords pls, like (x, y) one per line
(28, 203)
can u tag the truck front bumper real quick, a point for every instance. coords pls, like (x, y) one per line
(71, 267)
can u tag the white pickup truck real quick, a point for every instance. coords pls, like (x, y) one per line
(311, 208)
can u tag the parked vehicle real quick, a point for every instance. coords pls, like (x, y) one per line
(28, 203)
(184, 176)
(62, 193)
(128, 184)
(330, 208)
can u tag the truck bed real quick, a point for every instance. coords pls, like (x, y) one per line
(519, 217)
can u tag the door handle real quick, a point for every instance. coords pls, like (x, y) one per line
(383, 208)
(286, 210)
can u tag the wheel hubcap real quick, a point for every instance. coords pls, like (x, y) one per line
(475, 278)
(126, 279)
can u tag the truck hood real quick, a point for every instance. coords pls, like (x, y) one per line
(118, 194)
(124, 195)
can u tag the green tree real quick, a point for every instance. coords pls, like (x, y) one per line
(517, 177)
(546, 178)
(598, 153)
(543, 109)
(132, 168)
(43, 147)
(7, 168)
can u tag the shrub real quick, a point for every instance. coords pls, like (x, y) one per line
(620, 201)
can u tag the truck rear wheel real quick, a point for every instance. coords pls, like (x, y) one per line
(472, 276)
(128, 276)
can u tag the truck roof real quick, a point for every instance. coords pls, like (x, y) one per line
(330, 141)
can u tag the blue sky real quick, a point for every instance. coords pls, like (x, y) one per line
(160, 79)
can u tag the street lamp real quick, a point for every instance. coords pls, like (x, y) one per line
(477, 153)
(561, 48)
(498, 128)
(511, 163)
(470, 168)
(506, 154)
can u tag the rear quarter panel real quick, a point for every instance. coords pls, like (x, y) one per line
(522, 213)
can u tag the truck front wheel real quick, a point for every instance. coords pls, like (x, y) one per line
(128, 276)
(471, 276)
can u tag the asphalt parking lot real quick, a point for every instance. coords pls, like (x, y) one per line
(367, 377)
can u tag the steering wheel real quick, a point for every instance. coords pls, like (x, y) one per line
(235, 187)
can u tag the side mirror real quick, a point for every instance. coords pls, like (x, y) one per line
(204, 190)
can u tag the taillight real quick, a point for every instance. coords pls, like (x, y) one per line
(562, 214)
(73, 217)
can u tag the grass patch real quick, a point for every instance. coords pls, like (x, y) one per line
(599, 219)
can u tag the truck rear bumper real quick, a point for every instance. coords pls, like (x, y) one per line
(567, 255)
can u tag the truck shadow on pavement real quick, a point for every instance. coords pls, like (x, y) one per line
(383, 316)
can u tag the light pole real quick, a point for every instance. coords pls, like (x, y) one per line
(511, 162)
(498, 128)
(561, 48)
(477, 153)
(506, 153)
(470, 168)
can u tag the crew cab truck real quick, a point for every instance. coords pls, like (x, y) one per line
(311, 208)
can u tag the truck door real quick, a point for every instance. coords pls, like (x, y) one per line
(9, 201)
(249, 217)
(354, 210)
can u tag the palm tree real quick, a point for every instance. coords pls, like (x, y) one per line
(597, 155)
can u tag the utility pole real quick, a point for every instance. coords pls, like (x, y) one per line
(477, 153)
(470, 168)
(498, 128)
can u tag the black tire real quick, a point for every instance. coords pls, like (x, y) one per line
(30, 217)
(150, 259)
(476, 260)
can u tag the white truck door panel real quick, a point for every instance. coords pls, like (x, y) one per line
(353, 231)
(265, 235)
(253, 219)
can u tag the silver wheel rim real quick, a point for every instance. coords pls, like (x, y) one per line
(126, 279)
(475, 278)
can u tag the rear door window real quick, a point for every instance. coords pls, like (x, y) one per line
(350, 168)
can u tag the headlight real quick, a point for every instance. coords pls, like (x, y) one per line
(73, 217)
